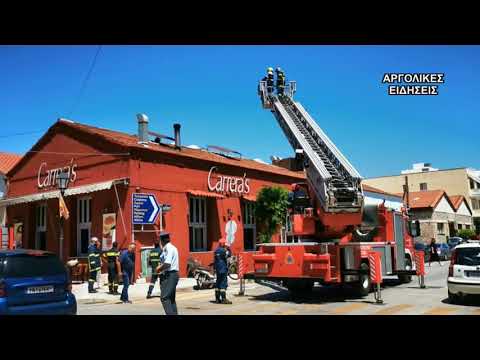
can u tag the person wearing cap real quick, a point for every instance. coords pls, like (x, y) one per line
(94, 263)
(221, 269)
(168, 270)
(154, 261)
(127, 262)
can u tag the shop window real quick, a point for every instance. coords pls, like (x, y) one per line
(84, 225)
(198, 223)
(41, 227)
(249, 225)
(441, 228)
(423, 186)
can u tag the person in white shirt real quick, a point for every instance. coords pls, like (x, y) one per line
(168, 270)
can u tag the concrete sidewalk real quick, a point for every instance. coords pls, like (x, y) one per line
(135, 292)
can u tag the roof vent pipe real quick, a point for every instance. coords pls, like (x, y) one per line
(176, 129)
(142, 128)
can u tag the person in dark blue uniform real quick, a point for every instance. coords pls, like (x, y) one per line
(154, 260)
(127, 262)
(221, 269)
(94, 263)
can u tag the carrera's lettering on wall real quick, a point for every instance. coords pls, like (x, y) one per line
(227, 184)
(48, 178)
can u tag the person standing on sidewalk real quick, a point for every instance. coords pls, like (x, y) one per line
(94, 263)
(113, 269)
(221, 270)
(127, 262)
(168, 270)
(154, 260)
(433, 253)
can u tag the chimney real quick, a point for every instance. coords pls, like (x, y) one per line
(142, 128)
(176, 129)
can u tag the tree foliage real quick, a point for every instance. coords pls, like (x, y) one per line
(466, 233)
(270, 211)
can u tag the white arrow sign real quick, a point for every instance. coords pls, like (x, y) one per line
(155, 208)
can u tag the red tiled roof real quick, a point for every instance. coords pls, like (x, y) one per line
(8, 161)
(378, 191)
(426, 199)
(456, 200)
(131, 141)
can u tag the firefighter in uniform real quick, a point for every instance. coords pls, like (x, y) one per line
(154, 261)
(270, 80)
(221, 270)
(280, 81)
(113, 268)
(94, 263)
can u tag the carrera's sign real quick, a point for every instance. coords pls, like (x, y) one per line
(48, 177)
(227, 184)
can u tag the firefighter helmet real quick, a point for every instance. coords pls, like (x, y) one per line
(278, 69)
(270, 69)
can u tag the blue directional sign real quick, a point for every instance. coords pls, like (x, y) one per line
(145, 209)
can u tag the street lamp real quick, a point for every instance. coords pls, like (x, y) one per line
(62, 183)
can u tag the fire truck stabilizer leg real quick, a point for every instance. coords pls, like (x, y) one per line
(378, 294)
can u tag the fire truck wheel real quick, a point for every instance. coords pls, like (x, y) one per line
(299, 287)
(405, 279)
(363, 286)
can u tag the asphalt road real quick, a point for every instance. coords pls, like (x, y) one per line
(259, 299)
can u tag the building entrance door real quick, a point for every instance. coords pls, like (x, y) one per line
(451, 229)
(84, 225)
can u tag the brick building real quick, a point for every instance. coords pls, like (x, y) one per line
(423, 177)
(439, 216)
(211, 193)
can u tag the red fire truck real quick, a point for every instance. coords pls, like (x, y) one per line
(331, 230)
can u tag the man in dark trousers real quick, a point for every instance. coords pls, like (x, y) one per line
(113, 268)
(221, 270)
(280, 81)
(94, 263)
(127, 262)
(433, 253)
(168, 270)
(154, 260)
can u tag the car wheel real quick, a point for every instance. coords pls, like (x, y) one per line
(453, 298)
(363, 286)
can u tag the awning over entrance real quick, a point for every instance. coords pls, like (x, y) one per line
(205, 193)
(86, 189)
(249, 197)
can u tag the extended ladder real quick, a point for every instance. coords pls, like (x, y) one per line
(334, 180)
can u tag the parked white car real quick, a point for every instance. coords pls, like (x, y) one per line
(464, 271)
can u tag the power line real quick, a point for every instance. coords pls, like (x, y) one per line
(85, 80)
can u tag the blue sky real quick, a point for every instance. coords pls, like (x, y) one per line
(211, 91)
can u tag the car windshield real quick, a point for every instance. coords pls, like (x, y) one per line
(468, 256)
(31, 266)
